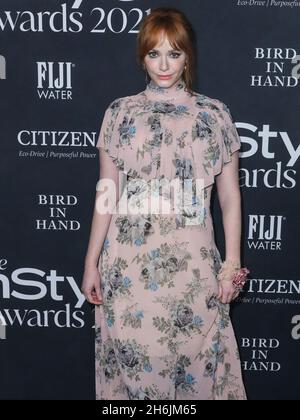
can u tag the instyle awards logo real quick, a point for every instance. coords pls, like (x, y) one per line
(276, 68)
(279, 152)
(261, 354)
(75, 17)
(54, 80)
(33, 297)
(265, 232)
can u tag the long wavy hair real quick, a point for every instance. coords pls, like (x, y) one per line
(179, 31)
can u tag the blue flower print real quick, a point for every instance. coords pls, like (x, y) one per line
(126, 281)
(127, 130)
(216, 348)
(198, 321)
(106, 244)
(154, 254)
(182, 109)
(189, 379)
(139, 314)
(148, 368)
(153, 286)
(222, 324)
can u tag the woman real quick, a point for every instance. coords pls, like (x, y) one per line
(161, 289)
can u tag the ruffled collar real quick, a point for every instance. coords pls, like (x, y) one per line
(176, 92)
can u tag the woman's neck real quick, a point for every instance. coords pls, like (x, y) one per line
(176, 91)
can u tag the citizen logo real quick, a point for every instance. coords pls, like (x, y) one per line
(56, 139)
(272, 286)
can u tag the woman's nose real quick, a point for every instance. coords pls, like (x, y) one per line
(163, 63)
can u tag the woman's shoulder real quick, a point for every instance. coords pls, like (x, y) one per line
(124, 101)
(210, 103)
(201, 101)
(116, 103)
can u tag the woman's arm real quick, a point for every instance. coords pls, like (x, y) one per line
(99, 227)
(100, 222)
(229, 196)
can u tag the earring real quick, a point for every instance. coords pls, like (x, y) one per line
(146, 76)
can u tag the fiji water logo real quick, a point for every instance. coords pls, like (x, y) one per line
(54, 79)
(265, 231)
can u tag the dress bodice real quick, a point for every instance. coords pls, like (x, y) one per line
(169, 134)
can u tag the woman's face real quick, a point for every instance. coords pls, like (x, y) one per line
(165, 64)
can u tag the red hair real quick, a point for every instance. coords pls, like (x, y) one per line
(175, 25)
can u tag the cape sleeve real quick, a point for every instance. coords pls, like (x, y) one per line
(228, 138)
(109, 135)
(211, 153)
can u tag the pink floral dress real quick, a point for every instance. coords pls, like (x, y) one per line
(161, 334)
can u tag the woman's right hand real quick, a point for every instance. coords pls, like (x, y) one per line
(90, 286)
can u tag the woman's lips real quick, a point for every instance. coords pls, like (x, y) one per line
(164, 77)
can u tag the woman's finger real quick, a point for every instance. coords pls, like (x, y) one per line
(89, 296)
(220, 291)
(234, 295)
(225, 297)
(97, 298)
(98, 292)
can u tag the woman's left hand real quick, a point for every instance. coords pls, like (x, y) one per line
(227, 292)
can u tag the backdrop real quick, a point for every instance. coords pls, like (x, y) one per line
(61, 64)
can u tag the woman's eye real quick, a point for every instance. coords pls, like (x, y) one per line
(153, 54)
